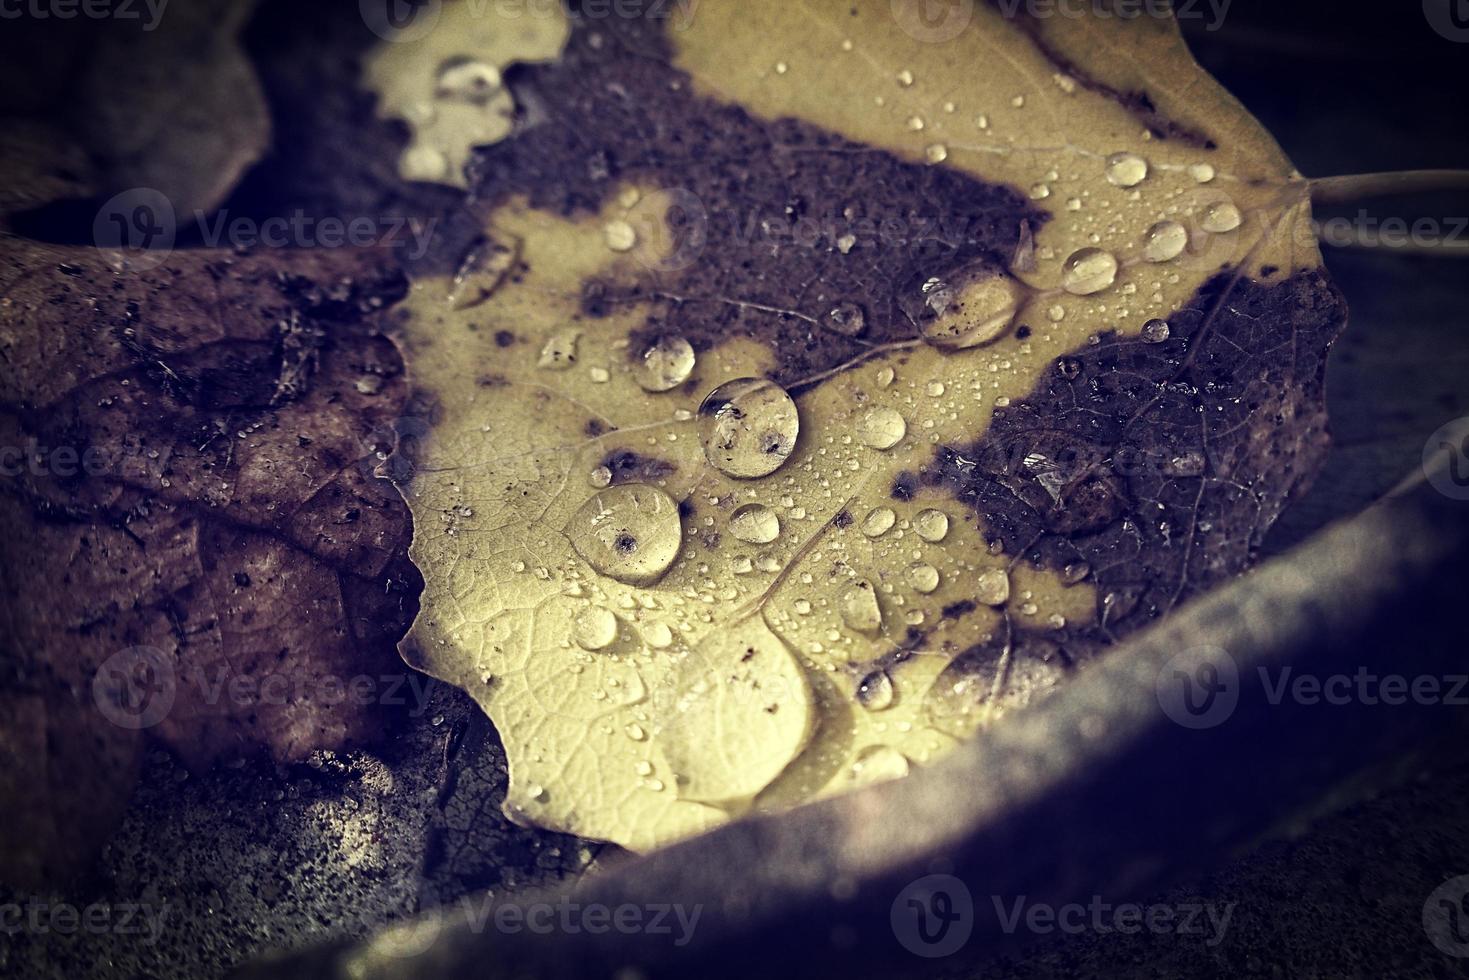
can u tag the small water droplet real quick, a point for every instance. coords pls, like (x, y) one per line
(658, 636)
(931, 525)
(635, 732)
(1165, 241)
(630, 532)
(781, 67)
(905, 78)
(1039, 192)
(922, 576)
(847, 319)
(915, 123)
(1156, 331)
(748, 427)
(665, 365)
(619, 235)
(1068, 368)
(599, 375)
(754, 524)
(1188, 464)
(1088, 271)
(859, 607)
(601, 478)
(596, 628)
(1221, 218)
(993, 587)
(875, 691)
(878, 522)
(536, 792)
(885, 376)
(1202, 172)
(559, 352)
(882, 428)
(1075, 572)
(425, 163)
(467, 80)
(936, 153)
(982, 121)
(1126, 169)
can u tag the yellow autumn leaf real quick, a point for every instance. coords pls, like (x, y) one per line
(683, 591)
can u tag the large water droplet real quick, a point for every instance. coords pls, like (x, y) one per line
(846, 319)
(665, 365)
(878, 522)
(931, 525)
(1089, 271)
(1126, 169)
(1221, 218)
(629, 532)
(1165, 241)
(993, 587)
(922, 576)
(596, 628)
(859, 607)
(748, 427)
(965, 309)
(875, 692)
(754, 524)
(882, 428)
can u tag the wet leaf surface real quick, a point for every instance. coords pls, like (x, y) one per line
(1065, 303)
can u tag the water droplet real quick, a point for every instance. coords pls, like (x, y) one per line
(1126, 169)
(1165, 241)
(559, 353)
(982, 121)
(601, 478)
(658, 636)
(905, 78)
(1068, 368)
(859, 607)
(781, 67)
(630, 532)
(1202, 172)
(875, 691)
(885, 376)
(754, 524)
(878, 522)
(931, 525)
(878, 763)
(619, 235)
(596, 628)
(599, 375)
(1089, 271)
(993, 587)
(915, 123)
(936, 153)
(1075, 572)
(922, 576)
(969, 309)
(467, 80)
(1039, 192)
(882, 428)
(935, 389)
(748, 427)
(482, 270)
(1221, 218)
(665, 365)
(1155, 331)
(846, 319)
(1189, 464)
(536, 792)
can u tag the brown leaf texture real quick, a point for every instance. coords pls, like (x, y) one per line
(197, 547)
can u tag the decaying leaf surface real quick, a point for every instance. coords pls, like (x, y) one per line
(1039, 294)
(197, 547)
